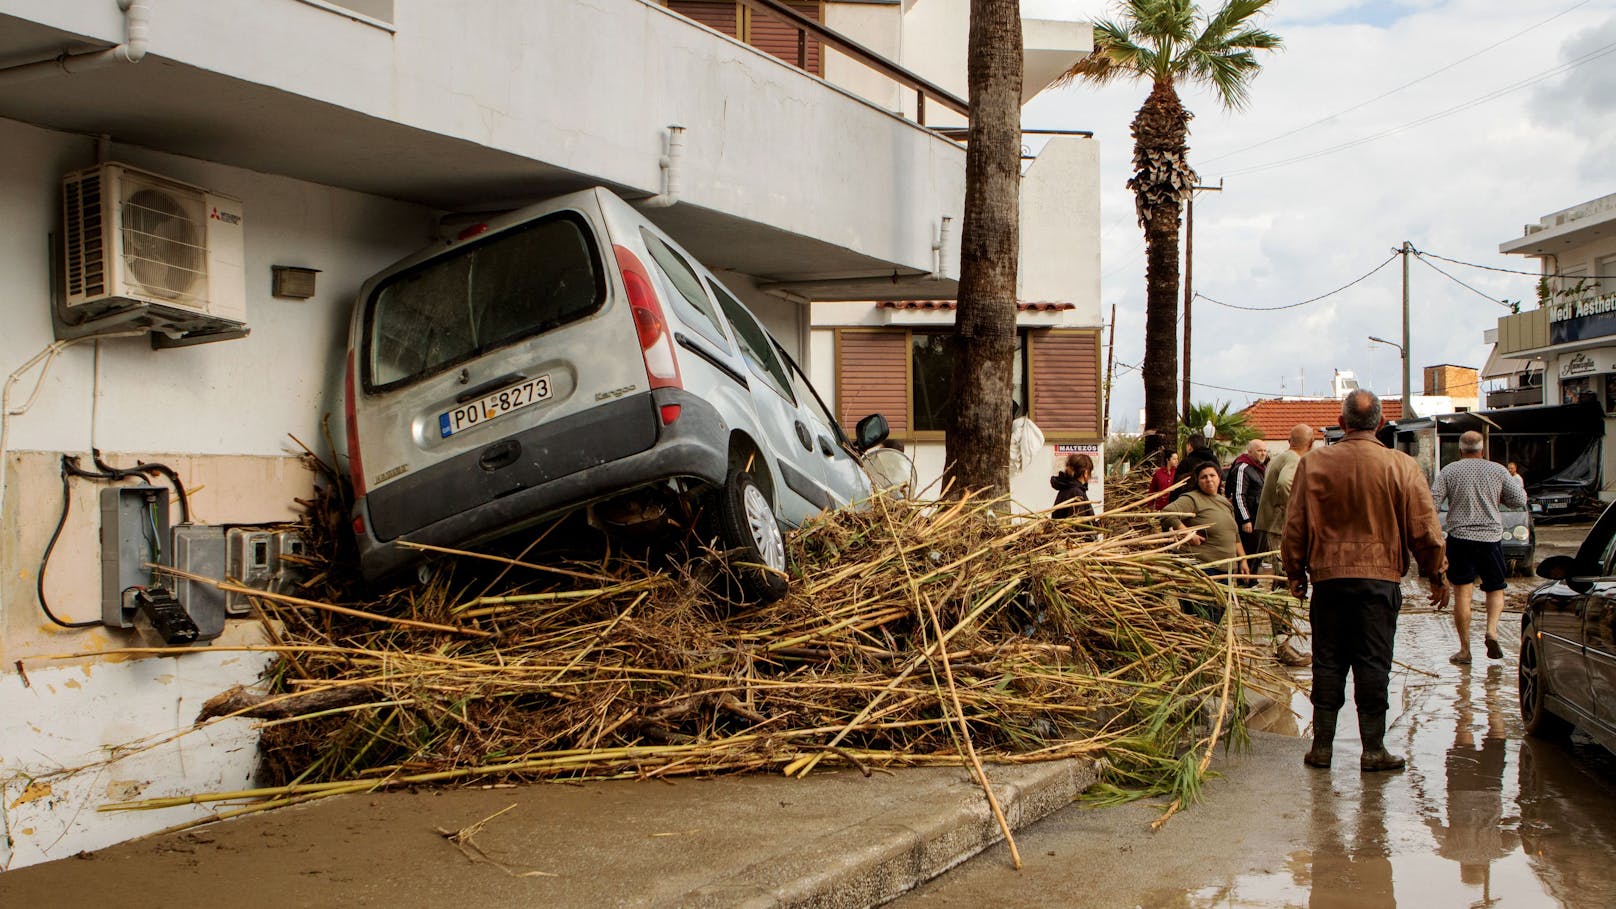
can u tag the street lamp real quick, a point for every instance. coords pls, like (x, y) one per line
(1403, 352)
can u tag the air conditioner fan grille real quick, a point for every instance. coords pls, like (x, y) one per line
(163, 244)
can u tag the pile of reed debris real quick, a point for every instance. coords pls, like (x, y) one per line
(914, 633)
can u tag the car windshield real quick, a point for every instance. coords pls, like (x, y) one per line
(479, 297)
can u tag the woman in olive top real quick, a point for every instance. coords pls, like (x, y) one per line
(1217, 538)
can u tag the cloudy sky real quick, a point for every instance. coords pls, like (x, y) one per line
(1446, 123)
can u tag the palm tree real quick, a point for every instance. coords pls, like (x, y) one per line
(1230, 431)
(1168, 42)
(978, 439)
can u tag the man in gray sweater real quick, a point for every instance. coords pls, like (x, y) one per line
(1474, 488)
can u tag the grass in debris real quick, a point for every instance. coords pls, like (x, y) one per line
(914, 633)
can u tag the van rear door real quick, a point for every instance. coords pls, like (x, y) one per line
(466, 355)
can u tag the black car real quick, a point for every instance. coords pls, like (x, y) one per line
(1568, 641)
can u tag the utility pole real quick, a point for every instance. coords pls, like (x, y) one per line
(1189, 284)
(1408, 401)
(1110, 375)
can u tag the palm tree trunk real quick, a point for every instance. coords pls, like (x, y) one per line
(978, 441)
(1161, 182)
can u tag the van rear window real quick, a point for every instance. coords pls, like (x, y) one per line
(479, 297)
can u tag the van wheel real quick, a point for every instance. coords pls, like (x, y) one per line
(749, 532)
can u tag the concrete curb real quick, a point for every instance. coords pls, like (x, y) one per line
(878, 860)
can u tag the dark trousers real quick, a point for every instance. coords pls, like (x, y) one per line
(1354, 623)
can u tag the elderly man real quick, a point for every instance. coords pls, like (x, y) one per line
(1244, 486)
(1474, 488)
(1276, 495)
(1357, 510)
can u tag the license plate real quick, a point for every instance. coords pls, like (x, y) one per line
(498, 404)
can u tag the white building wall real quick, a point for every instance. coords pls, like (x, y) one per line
(588, 87)
(1060, 229)
(222, 415)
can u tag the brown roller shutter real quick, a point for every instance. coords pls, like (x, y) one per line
(780, 38)
(872, 376)
(719, 15)
(1066, 383)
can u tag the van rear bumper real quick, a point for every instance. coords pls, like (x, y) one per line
(694, 447)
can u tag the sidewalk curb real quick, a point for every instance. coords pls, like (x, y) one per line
(875, 861)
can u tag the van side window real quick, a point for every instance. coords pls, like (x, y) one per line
(682, 278)
(756, 345)
(808, 397)
(480, 296)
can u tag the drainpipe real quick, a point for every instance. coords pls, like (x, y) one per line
(669, 162)
(940, 272)
(137, 31)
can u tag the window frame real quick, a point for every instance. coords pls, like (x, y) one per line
(1021, 392)
(367, 340)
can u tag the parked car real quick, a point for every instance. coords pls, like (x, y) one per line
(1567, 670)
(1519, 539)
(571, 355)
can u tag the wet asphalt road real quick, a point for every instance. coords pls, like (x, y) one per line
(1479, 818)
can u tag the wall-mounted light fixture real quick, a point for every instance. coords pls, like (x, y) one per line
(292, 282)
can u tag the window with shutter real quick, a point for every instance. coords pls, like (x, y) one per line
(719, 15)
(1065, 380)
(784, 40)
(872, 376)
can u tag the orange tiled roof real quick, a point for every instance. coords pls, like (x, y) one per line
(1022, 305)
(1273, 418)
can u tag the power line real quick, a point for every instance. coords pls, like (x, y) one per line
(1316, 299)
(1244, 391)
(1515, 271)
(1490, 96)
(1444, 274)
(1388, 94)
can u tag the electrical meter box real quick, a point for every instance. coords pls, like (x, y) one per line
(134, 535)
(260, 556)
(199, 549)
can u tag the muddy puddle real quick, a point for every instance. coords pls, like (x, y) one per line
(1482, 816)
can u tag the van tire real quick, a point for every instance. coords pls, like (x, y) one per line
(751, 538)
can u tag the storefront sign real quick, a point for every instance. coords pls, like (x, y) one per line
(1578, 318)
(1577, 365)
(1077, 449)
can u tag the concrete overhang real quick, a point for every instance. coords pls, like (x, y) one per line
(1563, 230)
(1049, 48)
(178, 107)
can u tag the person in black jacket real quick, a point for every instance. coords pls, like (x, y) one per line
(1243, 485)
(1072, 488)
(1199, 453)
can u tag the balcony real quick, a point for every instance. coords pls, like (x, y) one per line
(1514, 397)
(784, 177)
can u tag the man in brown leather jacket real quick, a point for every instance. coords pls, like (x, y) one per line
(1357, 510)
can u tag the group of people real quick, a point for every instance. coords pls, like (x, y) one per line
(1348, 520)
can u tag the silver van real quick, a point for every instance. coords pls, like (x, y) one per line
(570, 354)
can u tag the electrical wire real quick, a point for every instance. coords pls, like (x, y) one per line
(1244, 391)
(1384, 95)
(44, 562)
(1514, 271)
(1444, 274)
(1457, 108)
(1316, 299)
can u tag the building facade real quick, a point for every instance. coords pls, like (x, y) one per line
(1564, 351)
(325, 140)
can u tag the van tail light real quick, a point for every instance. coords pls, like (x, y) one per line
(656, 340)
(356, 467)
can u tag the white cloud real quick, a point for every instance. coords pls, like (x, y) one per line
(1457, 186)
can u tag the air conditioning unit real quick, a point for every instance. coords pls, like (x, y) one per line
(144, 252)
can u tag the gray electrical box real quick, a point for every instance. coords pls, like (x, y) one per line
(200, 549)
(250, 555)
(134, 533)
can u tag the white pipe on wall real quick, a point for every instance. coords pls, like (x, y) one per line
(669, 162)
(137, 34)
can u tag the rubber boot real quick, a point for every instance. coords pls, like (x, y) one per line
(1372, 729)
(1323, 738)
